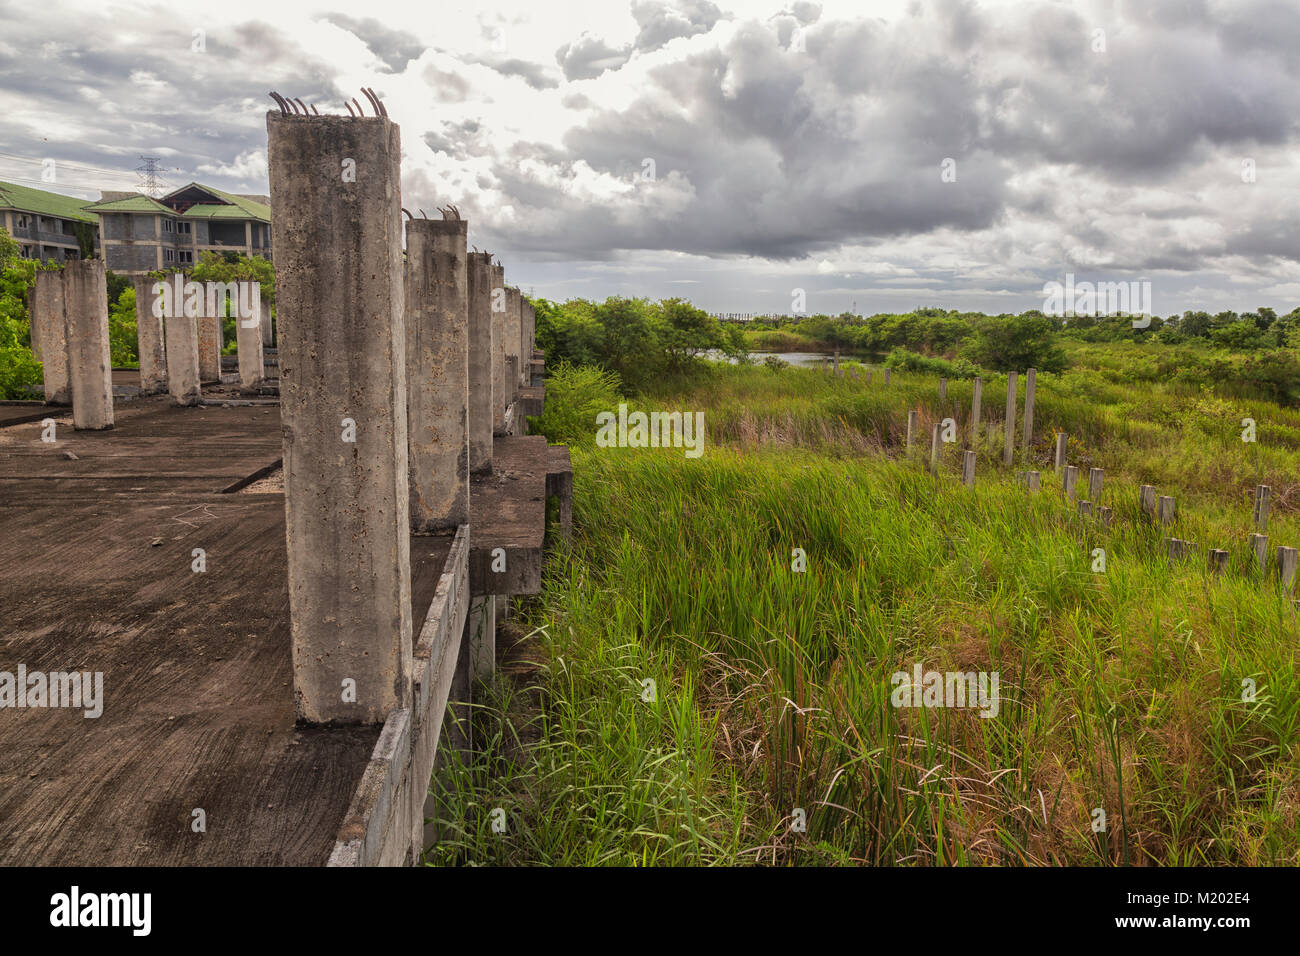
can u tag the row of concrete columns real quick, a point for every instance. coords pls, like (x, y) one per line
(69, 313)
(69, 323)
(394, 376)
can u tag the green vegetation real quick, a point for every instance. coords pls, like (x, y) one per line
(18, 367)
(638, 340)
(1120, 690)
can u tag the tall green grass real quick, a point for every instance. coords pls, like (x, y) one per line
(1120, 691)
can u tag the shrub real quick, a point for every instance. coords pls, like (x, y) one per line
(575, 394)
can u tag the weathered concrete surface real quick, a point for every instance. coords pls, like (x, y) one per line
(501, 394)
(209, 347)
(437, 373)
(197, 682)
(514, 335)
(531, 400)
(248, 342)
(268, 327)
(90, 366)
(559, 484)
(150, 341)
(385, 823)
(50, 335)
(182, 335)
(508, 519)
(342, 352)
(479, 292)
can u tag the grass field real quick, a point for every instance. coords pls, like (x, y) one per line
(770, 736)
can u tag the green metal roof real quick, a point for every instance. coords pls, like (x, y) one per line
(253, 209)
(239, 208)
(26, 199)
(212, 211)
(131, 204)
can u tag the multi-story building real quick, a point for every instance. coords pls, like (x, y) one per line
(139, 234)
(47, 226)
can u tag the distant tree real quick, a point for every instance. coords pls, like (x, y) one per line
(1015, 342)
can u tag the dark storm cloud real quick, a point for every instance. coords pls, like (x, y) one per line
(783, 154)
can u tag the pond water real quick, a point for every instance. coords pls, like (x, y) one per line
(806, 359)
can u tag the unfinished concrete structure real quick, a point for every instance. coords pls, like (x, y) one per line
(294, 757)
(90, 367)
(150, 340)
(343, 410)
(248, 342)
(50, 335)
(500, 388)
(479, 296)
(209, 347)
(181, 333)
(437, 363)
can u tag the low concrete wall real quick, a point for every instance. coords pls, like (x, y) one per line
(385, 823)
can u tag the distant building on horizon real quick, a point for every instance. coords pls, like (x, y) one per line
(47, 226)
(136, 234)
(140, 234)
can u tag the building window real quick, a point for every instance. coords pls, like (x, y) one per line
(184, 228)
(24, 221)
(168, 225)
(169, 255)
(184, 255)
(27, 252)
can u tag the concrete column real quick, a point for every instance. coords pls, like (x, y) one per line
(1147, 499)
(479, 291)
(342, 338)
(977, 393)
(267, 331)
(1165, 506)
(1009, 448)
(437, 373)
(912, 418)
(1259, 545)
(943, 390)
(90, 366)
(934, 447)
(514, 321)
(149, 336)
(968, 470)
(1071, 481)
(1262, 495)
(209, 347)
(1096, 476)
(1060, 450)
(248, 342)
(182, 336)
(50, 335)
(500, 393)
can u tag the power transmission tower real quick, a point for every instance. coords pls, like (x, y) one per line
(150, 183)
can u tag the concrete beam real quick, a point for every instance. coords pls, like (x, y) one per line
(90, 365)
(150, 342)
(481, 405)
(437, 373)
(50, 335)
(336, 186)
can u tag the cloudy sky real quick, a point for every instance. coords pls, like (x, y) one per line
(878, 155)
